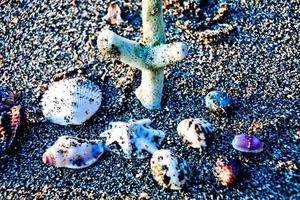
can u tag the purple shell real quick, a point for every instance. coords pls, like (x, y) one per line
(247, 143)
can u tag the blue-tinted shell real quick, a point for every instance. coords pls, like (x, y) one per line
(219, 102)
(6, 96)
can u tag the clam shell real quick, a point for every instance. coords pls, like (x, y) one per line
(71, 101)
(195, 132)
(73, 152)
(219, 102)
(169, 171)
(133, 137)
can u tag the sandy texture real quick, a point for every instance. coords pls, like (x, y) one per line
(256, 60)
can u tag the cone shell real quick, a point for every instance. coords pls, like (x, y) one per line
(227, 170)
(11, 123)
(73, 153)
(195, 132)
(71, 101)
(7, 96)
(133, 137)
(247, 143)
(219, 102)
(169, 171)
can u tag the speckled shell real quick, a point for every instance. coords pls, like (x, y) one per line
(7, 96)
(73, 152)
(113, 15)
(133, 137)
(247, 143)
(169, 171)
(195, 132)
(227, 170)
(11, 122)
(71, 101)
(218, 102)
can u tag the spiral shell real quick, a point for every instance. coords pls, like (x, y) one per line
(73, 152)
(11, 122)
(169, 171)
(134, 137)
(195, 132)
(227, 170)
(71, 101)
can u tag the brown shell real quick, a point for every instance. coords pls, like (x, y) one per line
(11, 121)
(227, 170)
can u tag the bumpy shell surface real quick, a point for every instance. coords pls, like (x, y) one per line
(195, 132)
(133, 137)
(169, 171)
(71, 101)
(73, 152)
(11, 121)
(227, 170)
(7, 96)
(218, 102)
(247, 143)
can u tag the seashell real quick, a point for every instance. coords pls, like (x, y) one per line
(11, 122)
(195, 132)
(169, 171)
(7, 96)
(73, 152)
(113, 15)
(247, 143)
(134, 137)
(227, 170)
(71, 101)
(219, 102)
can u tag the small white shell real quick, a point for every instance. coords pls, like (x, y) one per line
(134, 137)
(169, 171)
(71, 101)
(195, 131)
(73, 152)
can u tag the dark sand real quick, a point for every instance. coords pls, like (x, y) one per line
(258, 63)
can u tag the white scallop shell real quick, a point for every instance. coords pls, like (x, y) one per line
(169, 171)
(73, 152)
(134, 137)
(71, 101)
(194, 131)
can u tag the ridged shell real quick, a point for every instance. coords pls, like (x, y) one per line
(73, 152)
(133, 137)
(11, 122)
(169, 171)
(218, 102)
(195, 132)
(6, 96)
(227, 170)
(247, 143)
(71, 101)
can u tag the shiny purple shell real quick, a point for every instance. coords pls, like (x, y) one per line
(247, 143)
